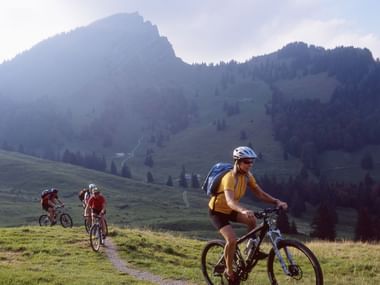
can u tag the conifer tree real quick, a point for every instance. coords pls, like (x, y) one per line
(182, 178)
(293, 228)
(323, 223)
(149, 177)
(169, 182)
(367, 162)
(125, 171)
(194, 181)
(283, 223)
(364, 226)
(113, 168)
(243, 135)
(149, 161)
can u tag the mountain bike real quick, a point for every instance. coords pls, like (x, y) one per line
(97, 237)
(60, 215)
(289, 261)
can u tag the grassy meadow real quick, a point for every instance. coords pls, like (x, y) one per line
(53, 255)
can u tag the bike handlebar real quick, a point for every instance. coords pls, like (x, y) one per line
(59, 206)
(267, 211)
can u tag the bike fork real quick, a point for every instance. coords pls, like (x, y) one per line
(275, 237)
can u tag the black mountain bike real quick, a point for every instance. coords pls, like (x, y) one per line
(61, 216)
(288, 262)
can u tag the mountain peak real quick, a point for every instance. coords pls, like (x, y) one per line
(126, 22)
(119, 45)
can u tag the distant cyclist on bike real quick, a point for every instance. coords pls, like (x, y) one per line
(84, 196)
(224, 206)
(49, 201)
(97, 205)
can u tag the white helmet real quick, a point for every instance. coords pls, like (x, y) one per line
(91, 186)
(243, 152)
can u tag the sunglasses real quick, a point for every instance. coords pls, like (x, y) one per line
(247, 161)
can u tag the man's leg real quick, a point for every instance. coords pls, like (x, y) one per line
(87, 215)
(250, 222)
(230, 248)
(103, 225)
(51, 215)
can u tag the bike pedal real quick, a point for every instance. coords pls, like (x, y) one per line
(219, 268)
(260, 255)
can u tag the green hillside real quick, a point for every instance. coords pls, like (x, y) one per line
(34, 255)
(201, 144)
(130, 203)
(22, 179)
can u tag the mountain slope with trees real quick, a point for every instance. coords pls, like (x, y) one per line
(114, 97)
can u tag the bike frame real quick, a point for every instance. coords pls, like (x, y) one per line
(267, 228)
(59, 210)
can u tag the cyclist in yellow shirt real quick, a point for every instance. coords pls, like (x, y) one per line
(225, 207)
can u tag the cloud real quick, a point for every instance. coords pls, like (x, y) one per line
(252, 28)
(203, 31)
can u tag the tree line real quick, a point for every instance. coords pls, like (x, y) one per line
(325, 197)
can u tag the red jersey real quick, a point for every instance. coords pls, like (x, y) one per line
(96, 202)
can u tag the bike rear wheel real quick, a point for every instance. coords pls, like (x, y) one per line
(87, 224)
(44, 221)
(303, 266)
(213, 263)
(95, 237)
(66, 220)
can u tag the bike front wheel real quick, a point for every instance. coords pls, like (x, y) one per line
(66, 220)
(44, 221)
(301, 265)
(95, 237)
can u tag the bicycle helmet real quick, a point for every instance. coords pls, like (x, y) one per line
(243, 152)
(95, 190)
(54, 190)
(91, 186)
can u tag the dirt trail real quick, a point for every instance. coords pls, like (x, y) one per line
(111, 252)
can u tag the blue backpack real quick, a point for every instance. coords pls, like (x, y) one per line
(215, 175)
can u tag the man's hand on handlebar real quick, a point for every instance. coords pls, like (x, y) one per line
(281, 205)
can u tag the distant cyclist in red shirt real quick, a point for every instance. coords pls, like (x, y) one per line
(97, 204)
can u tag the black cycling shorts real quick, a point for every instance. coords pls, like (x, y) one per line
(220, 220)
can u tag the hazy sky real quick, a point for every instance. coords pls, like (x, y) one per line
(203, 30)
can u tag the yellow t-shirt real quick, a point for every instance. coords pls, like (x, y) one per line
(238, 185)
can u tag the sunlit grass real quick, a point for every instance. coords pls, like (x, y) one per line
(34, 255)
(53, 255)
